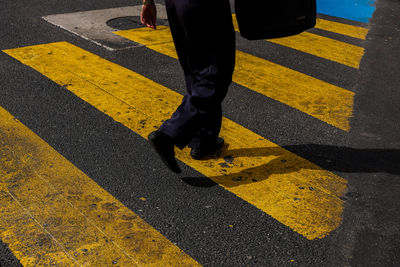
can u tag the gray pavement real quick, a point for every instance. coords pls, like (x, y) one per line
(368, 156)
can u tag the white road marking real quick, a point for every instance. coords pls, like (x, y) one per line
(91, 25)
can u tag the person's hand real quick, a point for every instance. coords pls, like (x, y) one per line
(148, 16)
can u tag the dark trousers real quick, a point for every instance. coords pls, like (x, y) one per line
(205, 43)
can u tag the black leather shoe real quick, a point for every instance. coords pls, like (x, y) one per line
(201, 153)
(164, 146)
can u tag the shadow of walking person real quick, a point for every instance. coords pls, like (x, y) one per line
(309, 157)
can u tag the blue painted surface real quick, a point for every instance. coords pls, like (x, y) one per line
(358, 10)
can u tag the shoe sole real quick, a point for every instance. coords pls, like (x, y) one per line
(213, 152)
(163, 159)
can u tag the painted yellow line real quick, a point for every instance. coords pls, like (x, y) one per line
(341, 28)
(291, 189)
(53, 214)
(324, 101)
(332, 26)
(320, 46)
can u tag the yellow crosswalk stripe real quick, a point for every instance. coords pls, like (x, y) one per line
(331, 26)
(341, 28)
(324, 101)
(320, 46)
(291, 189)
(51, 213)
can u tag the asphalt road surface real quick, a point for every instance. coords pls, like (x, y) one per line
(310, 175)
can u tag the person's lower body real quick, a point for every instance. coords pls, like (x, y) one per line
(205, 42)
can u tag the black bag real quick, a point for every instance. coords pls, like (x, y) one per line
(266, 19)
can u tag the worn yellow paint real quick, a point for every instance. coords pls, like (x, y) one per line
(341, 28)
(332, 26)
(320, 46)
(324, 101)
(291, 189)
(51, 213)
